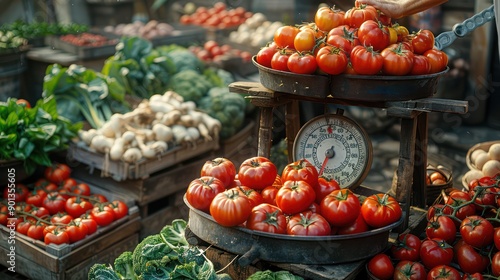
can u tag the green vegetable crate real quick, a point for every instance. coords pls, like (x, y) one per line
(36, 260)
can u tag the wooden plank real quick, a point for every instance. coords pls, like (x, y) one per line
(265, 131)
(420, 171)
(292, 122)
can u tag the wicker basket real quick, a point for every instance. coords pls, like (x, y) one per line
(433, 192)
(485, 146)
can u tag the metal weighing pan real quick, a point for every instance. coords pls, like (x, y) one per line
(252, 245)
(350, 87)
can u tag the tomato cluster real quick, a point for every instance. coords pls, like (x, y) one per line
(212, 51)
(359, 41)
(58, 209)
(298, 201)
(218, 16)
(461, 239)
(87, 39)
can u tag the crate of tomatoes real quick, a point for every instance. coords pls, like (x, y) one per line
(358, 54)
(86, 45)
(56, 227)
(298, 216)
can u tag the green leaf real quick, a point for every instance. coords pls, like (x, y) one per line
(12, 119)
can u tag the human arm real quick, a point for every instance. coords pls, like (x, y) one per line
(401, 8)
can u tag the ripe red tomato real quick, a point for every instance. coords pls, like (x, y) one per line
(435, 252)
(23, 226)
(445, 272)
(331, 60)
(202, 191)
(438, 60)
(102, 215)
(302, 63)
(280, 60)
(366, 61)
(495, 264)
(268, 218)
(486, 196)
(230, 208)
(355, 16)
(326, 185)
(257, 172)
(473, 276)
(35, 231)
(295, 196)
(456, 200)
(76, 231)
(46, 185)
(40, 212)
(374, 34)
(56, 236)
(496, 237)
(380, 210)
(76, 206)
(54, 202)
(285, 35)
(340, 207)
(402, 32)
(254, 196)
(301, 169)
(4, 214)
(269, 195)
(265, 55)
(421, 65)
(81, 188)
(477, 231)
(68, 183)
(57, 173)
(442, 227)
(88, 221)
(36, 197)
(18, 193)
(220, 168)
(345, 39)
(422, 41)
(61, 218)
(23, 102)
(406, 247)
(381, 266)
(327, 18)
(120, 209)
(308, 224)
(397, 60)
(358, 226)
(470, 259)
(409, 270)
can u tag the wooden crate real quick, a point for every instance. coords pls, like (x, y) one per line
(36, 263)
(83, 52)
(120, 170)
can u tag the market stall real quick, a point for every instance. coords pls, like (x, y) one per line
(149, 148)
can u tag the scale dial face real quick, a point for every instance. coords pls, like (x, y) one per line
(337, 146)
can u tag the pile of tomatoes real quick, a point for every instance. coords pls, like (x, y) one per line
(58, 209)
(218, 16)
(359, 41)
(461, 240)
(299, 201)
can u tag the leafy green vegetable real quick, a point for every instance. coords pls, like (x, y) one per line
(102, 272)
(31, 30)
(184, 59)
(124, 266)
(95, 96)
(31, 134)
(228, 107)
(277, 275)
(190, 84)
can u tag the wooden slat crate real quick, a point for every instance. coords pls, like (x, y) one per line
(121, 171)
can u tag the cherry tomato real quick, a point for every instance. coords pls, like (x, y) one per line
(381, 266)
(230, 208)
(477, 231)
(409, 270)
(285, 35)
(380, 210)
(366, 61)
(308, 224)
(57, 173)
(268, 218)
(327, 18)
(442, 227)
(406, 247)
(331, 60)
(444, 272)
(435, 252)
(397, 60)
(202, 191)
(340, 208)
(295, 196)
(257, 172)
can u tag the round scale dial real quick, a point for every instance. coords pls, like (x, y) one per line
(337, 146)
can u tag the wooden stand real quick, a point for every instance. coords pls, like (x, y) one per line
(411, 172)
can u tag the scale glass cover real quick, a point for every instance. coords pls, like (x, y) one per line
(337, 146)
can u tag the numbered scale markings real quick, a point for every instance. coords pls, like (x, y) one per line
(337, 146)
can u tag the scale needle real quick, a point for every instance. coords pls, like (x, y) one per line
(329, 153)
